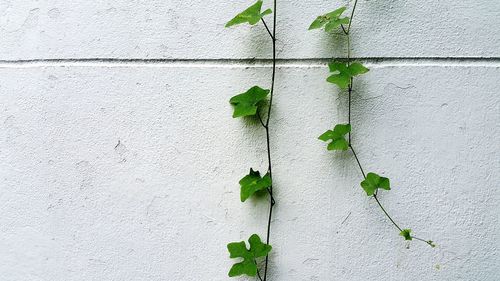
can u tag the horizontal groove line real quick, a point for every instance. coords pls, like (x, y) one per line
(253, 62)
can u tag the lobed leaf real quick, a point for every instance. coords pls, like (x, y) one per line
(330, 20)
(343, 73)
(239, 250)
(246, 104)
(356, 69)
(257, 248)
(373, 182)
(252, 15)
(338, 141)
(252, 183)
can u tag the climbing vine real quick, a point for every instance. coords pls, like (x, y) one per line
(252, 103)
(343, 73)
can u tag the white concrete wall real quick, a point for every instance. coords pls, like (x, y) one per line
(120, 169)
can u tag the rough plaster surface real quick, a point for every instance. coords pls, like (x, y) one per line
(179, 29)
(130, 173)
(128, 170)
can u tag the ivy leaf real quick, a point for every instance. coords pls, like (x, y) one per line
(252, 15)
(373, 182)
(257, 248)
(330, 21)
(337, 136)
(246, 104)
(252, 183)
(239, 250)
(406, 234)
(344, 72)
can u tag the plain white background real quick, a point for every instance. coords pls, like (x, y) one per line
(119, 159)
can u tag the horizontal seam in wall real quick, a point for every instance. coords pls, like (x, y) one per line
(235, 63)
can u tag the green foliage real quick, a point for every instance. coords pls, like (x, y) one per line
(406, 233)
(343, 72)
(239, 250)
(330, 21)
(338, 142)
(253, 183)
(252, 15)
(374, 182)
(246, 104)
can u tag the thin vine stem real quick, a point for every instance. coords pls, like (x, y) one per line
(258, 274)
(385, 212)
(397, 226)
(357, 160)
(347, 32)
(267, 28)
(260, 119)
(266, 127)
(352, 16)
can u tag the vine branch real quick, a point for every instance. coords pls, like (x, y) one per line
(350, 89)
(248, 104)
(266, 127)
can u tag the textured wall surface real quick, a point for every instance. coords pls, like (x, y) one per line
(119, 159)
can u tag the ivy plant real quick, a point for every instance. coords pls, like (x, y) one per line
(246, 104)
(343, 74)
(249, 264)
(251, 15)
(337, 137)
(252, 183)
(250, 104)
(330, 20)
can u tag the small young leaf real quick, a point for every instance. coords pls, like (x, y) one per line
(246, 104)
(344, 72)
(239, 250)
(253, 183)
(338, 142)
(406, 233)
(330, 21)
(252, 15)
(373, 182)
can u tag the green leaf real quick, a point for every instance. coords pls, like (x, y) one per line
(338, 142)
(247, 266)
(406, 234)
(373, 182)
(356, 69)
(246, 104)
(239, 250)
(253, 183)
(343, 73)
(257, 248)
(252, 15)
(330, 21)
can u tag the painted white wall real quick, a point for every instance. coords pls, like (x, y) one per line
(128, 170)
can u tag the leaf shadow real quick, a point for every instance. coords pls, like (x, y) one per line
(258, 42)
(334, 40)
